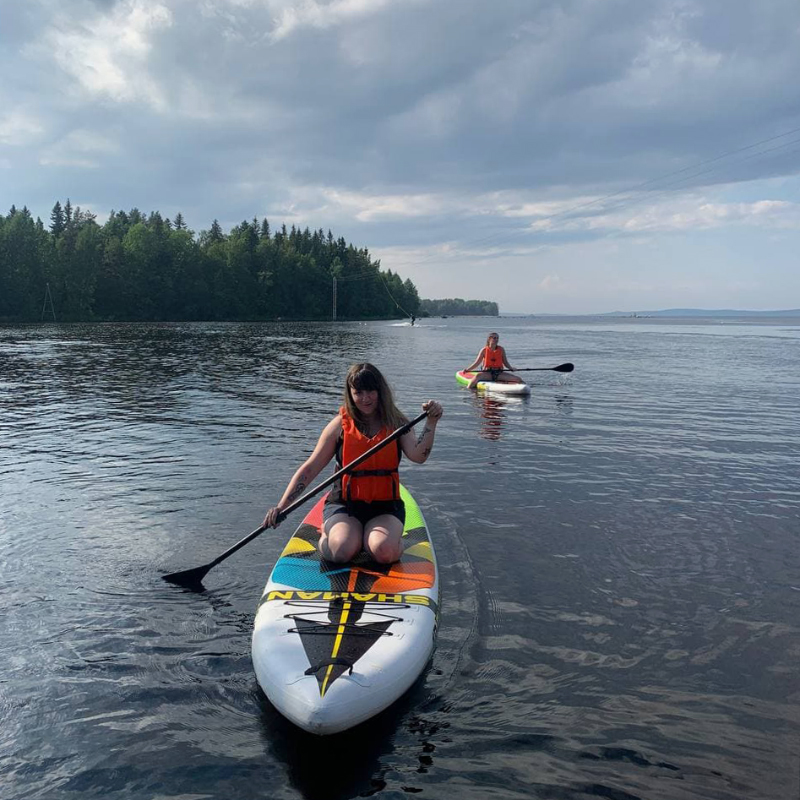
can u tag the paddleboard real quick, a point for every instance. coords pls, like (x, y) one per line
(493, 386)
(334, 644)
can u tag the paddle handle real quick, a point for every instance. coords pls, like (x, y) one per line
(317, 489)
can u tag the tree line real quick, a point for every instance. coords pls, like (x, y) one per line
(143, 267)
(456, 307)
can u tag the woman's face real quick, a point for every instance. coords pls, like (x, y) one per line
(365, 400)
(493, 340)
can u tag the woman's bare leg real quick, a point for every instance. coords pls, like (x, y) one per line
(383, 538)
(479, 376)
(341, 538)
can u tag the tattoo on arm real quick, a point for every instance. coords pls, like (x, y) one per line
(427, 451)
(298, 490)
(426, 430)
(302, 482)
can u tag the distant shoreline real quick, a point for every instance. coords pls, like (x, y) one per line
(674, 312)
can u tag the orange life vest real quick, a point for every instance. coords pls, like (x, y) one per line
(492, 359)
(376, 478)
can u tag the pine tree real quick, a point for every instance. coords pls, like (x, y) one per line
(139, 266)
(216, 234)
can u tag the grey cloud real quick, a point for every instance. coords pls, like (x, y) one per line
(457, 96)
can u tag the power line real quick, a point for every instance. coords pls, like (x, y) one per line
(628, 192)
(669, 186)
(639, 186)
(356, 276)
(386, 286)
(371, 275)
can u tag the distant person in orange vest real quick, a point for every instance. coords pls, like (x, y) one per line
(493, 364)
(363, 508)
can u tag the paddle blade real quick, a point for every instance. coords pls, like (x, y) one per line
(564, 367)
(190, 578)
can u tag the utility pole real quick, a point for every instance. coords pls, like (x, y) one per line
(48, 296)
(334, 298)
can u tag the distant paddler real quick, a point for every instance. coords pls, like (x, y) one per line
(493, 363)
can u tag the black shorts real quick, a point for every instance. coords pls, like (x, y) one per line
(364, 512)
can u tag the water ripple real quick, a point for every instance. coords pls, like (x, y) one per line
(621, 581)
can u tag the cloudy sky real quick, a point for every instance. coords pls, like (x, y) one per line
(558, 156)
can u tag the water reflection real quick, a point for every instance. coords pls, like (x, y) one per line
(563, 404)
(168, 367)
(353, 763)
(492, 417)
(492, 411)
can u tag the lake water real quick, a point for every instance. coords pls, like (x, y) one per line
(619, 555)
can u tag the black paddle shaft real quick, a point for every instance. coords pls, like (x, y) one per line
(560, 368)
(195, 576)
(326, 483)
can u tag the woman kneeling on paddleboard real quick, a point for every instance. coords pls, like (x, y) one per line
(493, 363)
(364, 509)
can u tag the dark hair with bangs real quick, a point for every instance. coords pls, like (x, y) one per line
(365, 377)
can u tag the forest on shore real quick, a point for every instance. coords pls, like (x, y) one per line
(143, 267)
(456, 307)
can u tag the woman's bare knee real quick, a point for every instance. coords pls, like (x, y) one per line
(386, 551)
(338, 549)
(383, 539)
(341, 541)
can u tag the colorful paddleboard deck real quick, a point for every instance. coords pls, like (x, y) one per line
(493, 386)
(334, 644)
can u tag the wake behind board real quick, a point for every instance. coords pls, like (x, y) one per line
(334, 644)
(493, 386)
